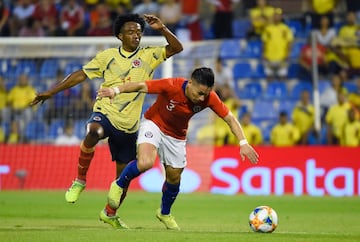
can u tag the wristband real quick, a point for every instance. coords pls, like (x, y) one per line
(116, 90)
(243, 142)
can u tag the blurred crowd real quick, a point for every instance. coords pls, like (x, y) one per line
(336, 24)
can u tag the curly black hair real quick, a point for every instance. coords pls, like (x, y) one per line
(122, 19)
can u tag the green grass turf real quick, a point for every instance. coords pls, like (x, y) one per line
(45, 216)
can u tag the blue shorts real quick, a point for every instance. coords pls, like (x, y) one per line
(122, 145)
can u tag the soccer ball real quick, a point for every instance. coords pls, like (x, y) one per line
(263, 219)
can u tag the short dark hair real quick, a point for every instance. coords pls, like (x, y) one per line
(204, 76)
(122, 19)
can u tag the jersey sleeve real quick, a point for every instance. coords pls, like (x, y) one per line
(217, 105)
(95, 67)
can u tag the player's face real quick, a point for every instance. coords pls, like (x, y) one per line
(130, 36)
(197, 92)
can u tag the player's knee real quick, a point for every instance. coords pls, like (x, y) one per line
(145, 164)
(95, 132)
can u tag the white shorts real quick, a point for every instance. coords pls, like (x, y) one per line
(171, 151)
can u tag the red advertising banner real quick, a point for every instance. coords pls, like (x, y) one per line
(314, 171)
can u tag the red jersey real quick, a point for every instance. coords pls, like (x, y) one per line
(172, 110)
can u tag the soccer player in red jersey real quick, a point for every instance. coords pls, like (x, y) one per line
(163, 131)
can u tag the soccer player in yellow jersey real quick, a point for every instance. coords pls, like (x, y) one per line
(118, 121)
(284, 133)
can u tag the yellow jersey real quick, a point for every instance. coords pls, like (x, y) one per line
(303, 117)
(351, 134)
(20, 97)
(284, 135)
(116, 67)
(337, 116)
(277, 38)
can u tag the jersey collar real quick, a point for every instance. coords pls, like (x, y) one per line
(130, 54)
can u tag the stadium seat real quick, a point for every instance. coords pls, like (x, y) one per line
(80, 128)
(27, 67)
(287, 106)
(323, 85)
(56, 128)
(35, 130)
(49, 69)
(259, 71)
(251, 90)
(293, 70)
(230, 48)
(351, 86)
(296, 27)
(299, 87)
(72, 66)
(253, 49)
(276, 90)
(242, 70)
(296, 49)
(264, 110)
(240, 27)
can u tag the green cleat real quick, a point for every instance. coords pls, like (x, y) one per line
(114, 221)
(73, 193)
(114, 195)
(167, 220)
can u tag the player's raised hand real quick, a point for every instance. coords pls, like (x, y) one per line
(249, 152)
(41, 97)
(153, 21)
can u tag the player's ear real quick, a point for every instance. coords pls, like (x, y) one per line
(120, 36)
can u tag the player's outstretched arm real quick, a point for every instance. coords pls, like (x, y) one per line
(174, 45)
(69, 81)
(246, 150)
(111, 92)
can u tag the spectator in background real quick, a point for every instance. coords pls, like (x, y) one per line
(351, 130)
(14, 133)
(72, 19)
(325, 34)
(4, 19)
(2, 134)
(277, 40)
(32, 28)
(223, 75)
(100, 21)
(348, 32)
(23, 10)
(83, 103)
(170, 13)
(190, 10)
(19, 99)
(252, 132)
(284, 133)
(321, 8)
(147, 7)
(353, 6)
(335, 118)
(330, 95)
(305, 61)
(223, 18)
(260, 16)
(354, 97)
(303, 117)
(46, 13)
(68, 137)
(3, 97)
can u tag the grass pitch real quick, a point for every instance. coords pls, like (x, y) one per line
(45, 216)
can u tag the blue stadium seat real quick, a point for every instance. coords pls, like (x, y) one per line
(6, 68)
(264, 110)
(323, 85)
(351, 86)
(253, 49)
(230, 48)
(293, 70)
(35, 130)
(49, 68)
(296, 27)
(259, 71)
(56, 128)
(72, 66)
(251, 90)
(242, 70)
(80, 128)
(27, 67)
(240, 27)
(299, 87)
(276, 90)
(287, 106)
(296, 49)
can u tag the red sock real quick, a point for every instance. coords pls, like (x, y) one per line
(86, 155)
(110, 211)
